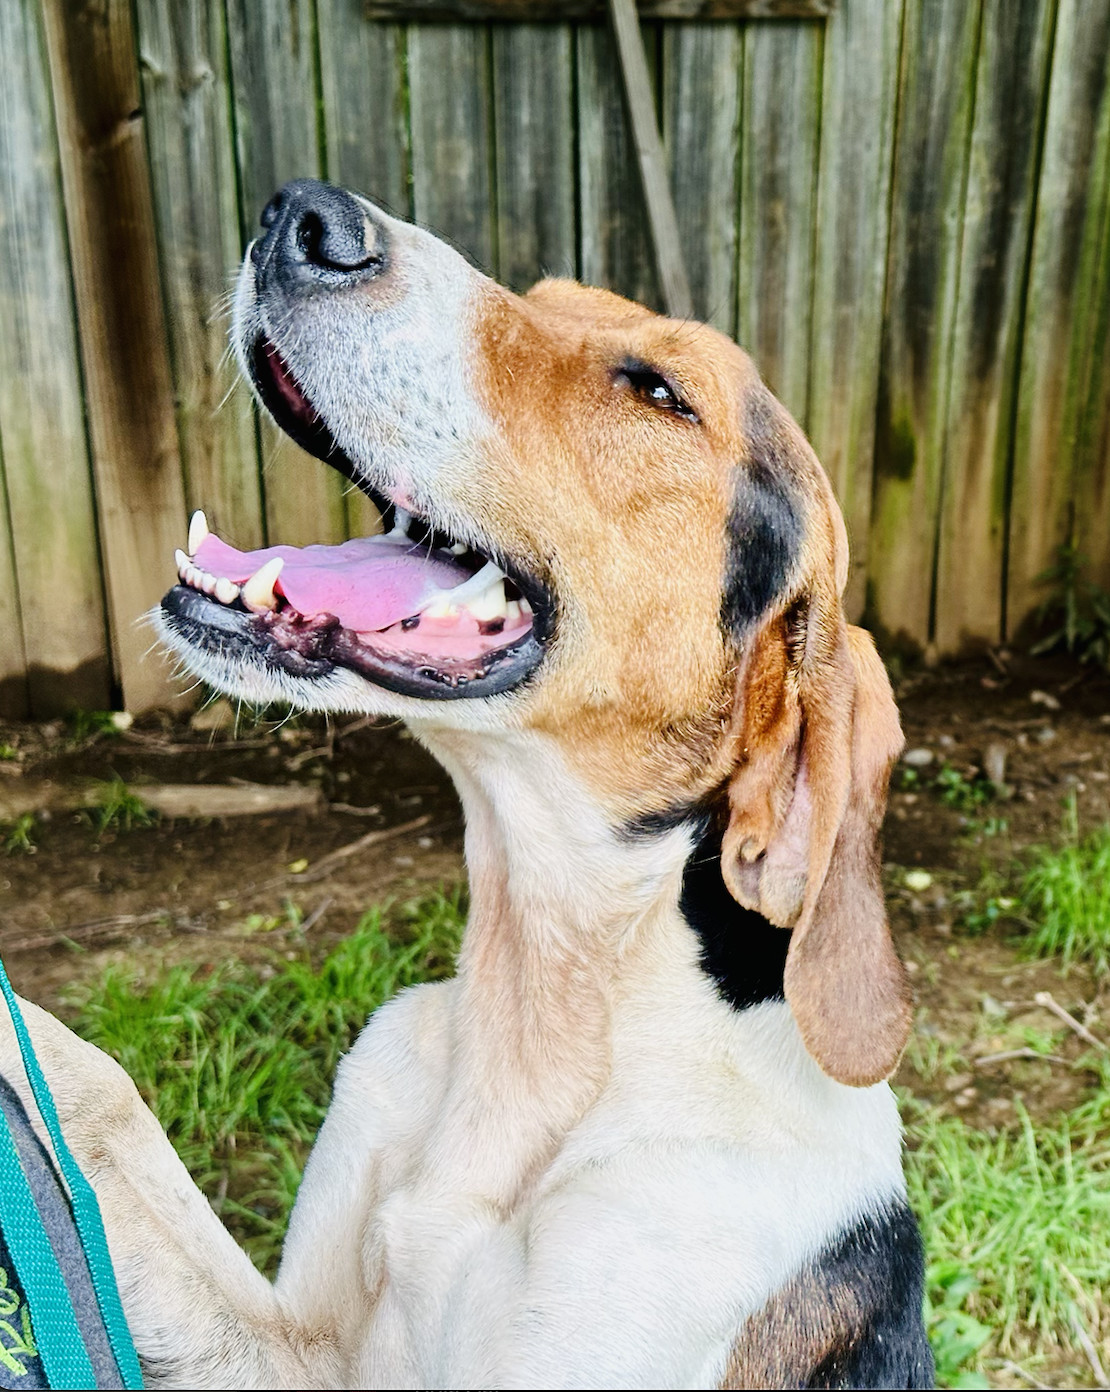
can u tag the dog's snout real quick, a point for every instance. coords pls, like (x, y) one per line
(317, 236)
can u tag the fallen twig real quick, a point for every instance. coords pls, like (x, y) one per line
(351, 810)
(324, 867)
(1019, 1371)
(1087, 1345)
(91, 929)
(1026, 1053)
(1049, 1002)
(317, 913)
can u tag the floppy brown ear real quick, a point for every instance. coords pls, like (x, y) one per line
(817, 733)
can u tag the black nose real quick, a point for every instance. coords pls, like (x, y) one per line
(317, 236)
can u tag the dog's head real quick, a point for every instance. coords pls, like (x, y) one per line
(599, 525)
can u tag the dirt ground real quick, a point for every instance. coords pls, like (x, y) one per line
(200, 889)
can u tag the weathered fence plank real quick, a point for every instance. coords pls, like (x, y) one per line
(183, 61)
(998, 211)
(533, 93)
(931, 152)
(273, 69)
(594, 9)
(54, 545)
(366, 133)
(859, 88)
(124, 350)
(14, 704)
(452, 155)
(614, 243)
(778, 166)
(1062, 314)
(701, 122)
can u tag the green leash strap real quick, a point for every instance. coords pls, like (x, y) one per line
(68, 1364)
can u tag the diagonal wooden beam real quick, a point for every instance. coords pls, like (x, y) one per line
(663, 223)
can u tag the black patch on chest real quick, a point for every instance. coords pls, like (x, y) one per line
(882, 1260)
(765, 524)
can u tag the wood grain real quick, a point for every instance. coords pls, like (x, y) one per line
(14, 703)
(52, 608)
(1060, 441)
(859, 87)
(778, 180)
(936, 94)
(994, 254)
(533, 103)
(615, 248)
(701, 122)
(566, 10)
(452, 154)
(640, 106)
(128, 390)
(186, 97)
(273, 69)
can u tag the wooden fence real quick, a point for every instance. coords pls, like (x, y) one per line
(902, 210)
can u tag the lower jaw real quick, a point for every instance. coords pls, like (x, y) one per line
(312, 649)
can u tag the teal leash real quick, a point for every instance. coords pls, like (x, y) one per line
(64, 1356)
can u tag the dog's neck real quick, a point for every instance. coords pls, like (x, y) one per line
(562, 905)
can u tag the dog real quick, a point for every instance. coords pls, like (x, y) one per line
(644, 1137)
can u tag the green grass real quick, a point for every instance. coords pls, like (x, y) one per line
(1016, 1228)
(119, 809)
(237, 1064)
(1065, 897)
(19, 835)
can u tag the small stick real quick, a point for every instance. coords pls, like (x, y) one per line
(1049, 1002)
(1025, 1053)
(322, 868)
(1010, 1367)
(1084, 1341)
(317, 913)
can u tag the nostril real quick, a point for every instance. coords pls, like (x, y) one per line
(271, 210)
(336, 244)
(309, 235)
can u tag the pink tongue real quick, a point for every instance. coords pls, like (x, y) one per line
(368, 583)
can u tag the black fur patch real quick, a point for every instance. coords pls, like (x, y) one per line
(765, 525)
(883, 1262)
(743, 953)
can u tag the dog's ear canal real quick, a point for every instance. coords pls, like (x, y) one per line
(816, 733)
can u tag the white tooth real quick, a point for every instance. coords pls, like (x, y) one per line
(490, 604)
(182, 562)
(525, 607)
(460, 548)
(401, 522)
(512, 613)
(441, 608)
(258, 592)
(478, 583)
(198, 530)
(207, 582)
(226, 591)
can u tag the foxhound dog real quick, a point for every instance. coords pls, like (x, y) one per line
(643, 1138)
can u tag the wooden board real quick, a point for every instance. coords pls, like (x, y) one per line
(998, 209)
(615, 248)
(452, 152)
(273, 68)
(14, 704)
(58, 628)
(1062, 352)
(563, 10)
(701, 124)
(936, 87)
(128, 391)
(183, 58)
(859, 88)
(778, 168)
(533, 96)
(366, 134)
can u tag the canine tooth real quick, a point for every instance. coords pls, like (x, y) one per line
(441, 608)
(227, 592)
(491, 603)
(198, 530)
(182, 562)
(401, 521)
(460, 548)
(512, 613)
(525, 607)
(258, 592)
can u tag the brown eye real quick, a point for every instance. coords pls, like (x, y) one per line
(654, 388)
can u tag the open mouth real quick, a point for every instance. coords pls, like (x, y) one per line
(411, 609)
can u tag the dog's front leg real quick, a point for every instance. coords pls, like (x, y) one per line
(200, 1314)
